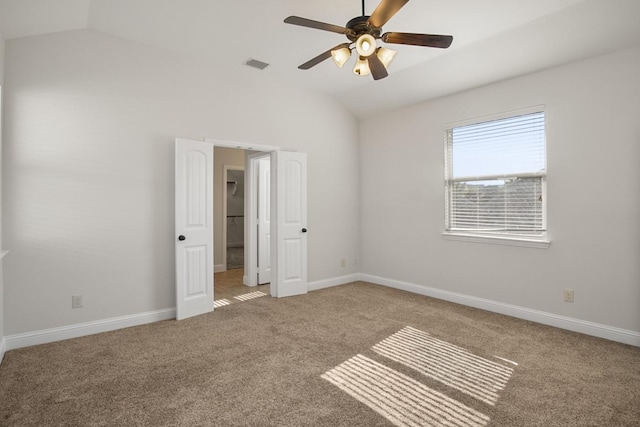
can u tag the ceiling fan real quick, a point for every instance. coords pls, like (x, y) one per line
(362, 32)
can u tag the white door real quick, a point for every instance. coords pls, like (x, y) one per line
(194, 228)
(290, 233)
(264, 221)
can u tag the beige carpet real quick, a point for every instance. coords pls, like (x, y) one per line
(354, 355)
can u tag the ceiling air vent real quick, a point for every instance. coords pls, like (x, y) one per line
(256, 64)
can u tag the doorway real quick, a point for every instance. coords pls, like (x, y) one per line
(239, 257)
(195, 230)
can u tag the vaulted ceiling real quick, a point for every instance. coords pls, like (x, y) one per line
(493, 39)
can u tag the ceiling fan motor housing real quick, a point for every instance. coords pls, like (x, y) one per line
(360, 25)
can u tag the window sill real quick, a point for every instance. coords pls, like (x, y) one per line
(498, 240)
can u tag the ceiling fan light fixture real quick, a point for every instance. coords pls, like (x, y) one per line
(341, 56)
(366, 45)
(362, 67)
(363, 33)
(386, 55)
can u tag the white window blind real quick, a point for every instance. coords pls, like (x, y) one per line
(496, 177)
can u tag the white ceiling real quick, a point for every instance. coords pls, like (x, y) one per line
(493, 39)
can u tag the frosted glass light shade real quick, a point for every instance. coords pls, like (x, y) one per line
(386, 55)
(362, 67)
(366, 45)
(340, 56)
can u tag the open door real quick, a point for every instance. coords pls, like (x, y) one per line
(194, 228)
(264, 221)
(289, 236)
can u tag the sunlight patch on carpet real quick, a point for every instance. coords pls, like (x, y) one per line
(399, 398)
(506, 360)
(447, 363)
(221, 303)
(251, 295)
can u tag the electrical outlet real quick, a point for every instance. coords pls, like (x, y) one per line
(343, 262)
(76, 301)
(568, 295)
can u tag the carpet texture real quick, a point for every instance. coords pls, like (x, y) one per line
(353, 355)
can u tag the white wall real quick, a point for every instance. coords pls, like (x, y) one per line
(89, 181)
(593, 138)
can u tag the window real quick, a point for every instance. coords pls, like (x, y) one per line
(496, 178)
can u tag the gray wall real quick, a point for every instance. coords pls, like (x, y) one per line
(593, 139)
(235, 208)
(222, 156)
(88, 156)
(2, 342)
(89, 170)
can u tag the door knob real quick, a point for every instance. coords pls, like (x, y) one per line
(304, 230)
(181, 237)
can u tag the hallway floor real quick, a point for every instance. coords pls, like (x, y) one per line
(228, 285)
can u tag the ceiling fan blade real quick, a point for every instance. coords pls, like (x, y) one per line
(429, 40)
(318, 59)
(378, 70)
(385, 10)
(309, 23)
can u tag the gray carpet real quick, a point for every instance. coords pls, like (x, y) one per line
(353, 355)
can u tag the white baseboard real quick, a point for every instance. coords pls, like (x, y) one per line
(625, 336)
(44, 336)
(585, 327)
(3, 348)
(335, 281)
(82, 329)
(218, 268)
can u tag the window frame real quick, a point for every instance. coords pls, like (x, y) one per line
(536, 241)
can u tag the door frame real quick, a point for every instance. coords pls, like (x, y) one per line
(225, 222)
